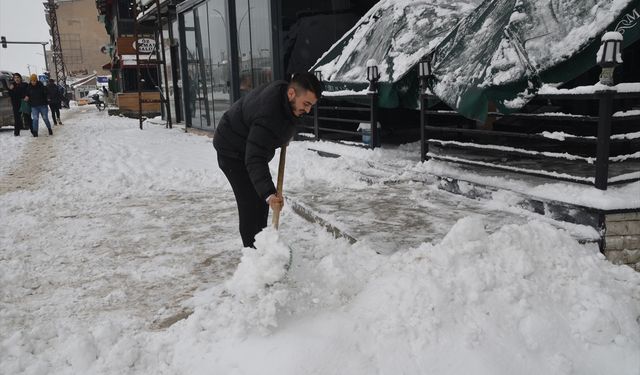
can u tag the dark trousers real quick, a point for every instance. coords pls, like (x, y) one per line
(20, 120)
(17, 120)
(253, 210)
(55, 112)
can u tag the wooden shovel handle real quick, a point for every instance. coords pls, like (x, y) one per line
(283, 155)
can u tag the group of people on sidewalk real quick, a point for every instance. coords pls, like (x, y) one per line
(31, 100)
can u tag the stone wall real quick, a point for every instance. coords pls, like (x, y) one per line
(622, 239)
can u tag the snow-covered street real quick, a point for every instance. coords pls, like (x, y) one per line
(110, 235)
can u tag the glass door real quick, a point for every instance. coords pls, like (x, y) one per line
(207, 64)
(254, 43)
(219, 74)
(194, 83)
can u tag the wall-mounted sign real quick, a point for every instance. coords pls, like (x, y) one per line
(628, 21)
(145, 45)
(126, 45)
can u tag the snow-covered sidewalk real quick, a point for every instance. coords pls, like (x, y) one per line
(107, 230)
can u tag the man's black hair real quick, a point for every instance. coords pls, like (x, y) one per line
(309, 82)
(17, 75)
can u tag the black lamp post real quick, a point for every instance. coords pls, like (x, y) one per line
(425, 72)
(372, 75)
(609, 56)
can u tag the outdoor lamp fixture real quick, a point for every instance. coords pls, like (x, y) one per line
(318, 75)
(425, 72)
(609, 56)
(372, 75)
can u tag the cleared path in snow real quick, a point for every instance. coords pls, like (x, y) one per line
(133, 252)
(394, 207)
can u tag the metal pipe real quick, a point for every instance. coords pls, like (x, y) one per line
(605, 113)
(374, 120)
(316, 129)
(138, 75)
(423, 143)
(164, 67)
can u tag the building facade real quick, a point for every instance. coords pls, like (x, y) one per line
(124, 63)
(81, 37)
(218, 50)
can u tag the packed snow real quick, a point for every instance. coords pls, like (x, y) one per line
(119, 254)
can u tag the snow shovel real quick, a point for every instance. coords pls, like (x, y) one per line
(276, 213)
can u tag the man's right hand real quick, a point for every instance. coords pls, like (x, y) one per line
(275, 202)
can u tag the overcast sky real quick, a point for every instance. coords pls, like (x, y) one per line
(23, 21)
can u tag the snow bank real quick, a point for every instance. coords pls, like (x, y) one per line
(526, 299)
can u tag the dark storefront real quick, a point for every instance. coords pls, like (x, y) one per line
(274, 39)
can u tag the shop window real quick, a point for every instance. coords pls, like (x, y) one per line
(254, 43)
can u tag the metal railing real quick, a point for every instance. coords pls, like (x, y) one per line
(434, 130)
(324, 105)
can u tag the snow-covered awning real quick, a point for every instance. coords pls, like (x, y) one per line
(484, 51)
(504, 47)
(394, 33)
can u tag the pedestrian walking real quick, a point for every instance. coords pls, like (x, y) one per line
(17, 92)
(54, 97)
(37, 98)
(246, 140)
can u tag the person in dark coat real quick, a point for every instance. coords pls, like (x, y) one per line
(17, 92)
(246, 139)
(54, 96)
(37, 97)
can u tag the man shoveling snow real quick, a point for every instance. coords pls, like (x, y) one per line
(247, 137)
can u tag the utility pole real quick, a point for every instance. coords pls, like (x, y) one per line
(56, 48)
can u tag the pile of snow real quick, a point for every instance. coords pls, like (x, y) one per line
(261, 267)
(526, 299)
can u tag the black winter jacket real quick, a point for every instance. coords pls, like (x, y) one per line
(37, 94)
(53, 94)
(253, 128)
(18, 93)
